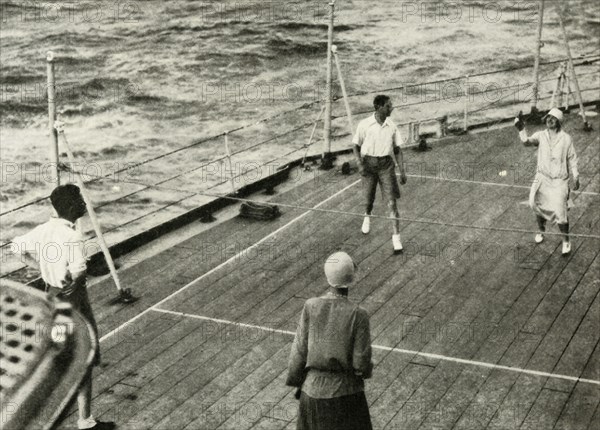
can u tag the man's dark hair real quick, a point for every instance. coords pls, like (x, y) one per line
(64, 197)
(380, 100)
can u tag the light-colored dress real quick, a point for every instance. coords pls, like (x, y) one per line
(556, 161)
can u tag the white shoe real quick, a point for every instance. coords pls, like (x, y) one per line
(539, 238)
(397, 244)
(566, 248)
(366, 226)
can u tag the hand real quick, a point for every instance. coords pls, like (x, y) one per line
(519, 123)
(59, 126)
(361, 168)
(68, 286)
(402, 178)
(576, 185)
(64, 167)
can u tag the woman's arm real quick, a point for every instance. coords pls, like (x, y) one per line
(361, 356)
(527, 140)
(572, 160)
(299, 353)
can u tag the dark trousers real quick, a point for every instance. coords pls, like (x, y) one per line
(340, 413)
(80, 301)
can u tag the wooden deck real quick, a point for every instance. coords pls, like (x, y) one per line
(471, 328)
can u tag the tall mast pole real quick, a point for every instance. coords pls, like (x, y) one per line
(51, 87)
(536, 65)
(327, 162)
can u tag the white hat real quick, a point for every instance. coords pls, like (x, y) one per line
(556, 113)
(339, 269)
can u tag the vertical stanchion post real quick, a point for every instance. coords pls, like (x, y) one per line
(327, 162)
(555, 94)
(465, 119)
(567, 92)
(51, 86)
(229, 162)
(536, 65)
(586, 125)
(312, 134)
(561, 91)
(416, 131)
(343, 85)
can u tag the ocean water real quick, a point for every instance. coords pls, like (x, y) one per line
(137, 80)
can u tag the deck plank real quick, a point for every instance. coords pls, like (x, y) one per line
(583, 401)
(236, 404)
(522, 306)
(266, 404)
(521, 343)
(206, 397)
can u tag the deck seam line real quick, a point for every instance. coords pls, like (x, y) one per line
(214, 269)
(393, 349)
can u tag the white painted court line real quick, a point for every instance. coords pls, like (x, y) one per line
(221, 321)
(397, 350)
(214, 269)
(494, 184)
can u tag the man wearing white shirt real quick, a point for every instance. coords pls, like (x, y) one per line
(556, 162)
(376, 147)
(57, 250)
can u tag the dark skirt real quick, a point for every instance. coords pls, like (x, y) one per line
(340, 413)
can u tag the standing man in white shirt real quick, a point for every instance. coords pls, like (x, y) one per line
(556, 162)
(56, 249)
(376, 147)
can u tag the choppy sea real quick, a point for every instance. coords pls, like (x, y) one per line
(137, 79)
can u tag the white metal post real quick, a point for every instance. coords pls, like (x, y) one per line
(326, 162)
(465, 119)
(536, 65)
(555, 94)
(229, 162)
(51, 88)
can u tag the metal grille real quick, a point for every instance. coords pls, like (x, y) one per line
(22, 344)
(33, 331)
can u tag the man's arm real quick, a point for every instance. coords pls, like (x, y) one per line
(77, 265)
(23, 246)
(400, 163)
(28, 259)
(359, 162)
(357, 141)
(398, 156)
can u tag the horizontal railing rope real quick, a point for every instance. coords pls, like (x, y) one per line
(441, 81)
(361, 214)
(473, 93)
(306, 106)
